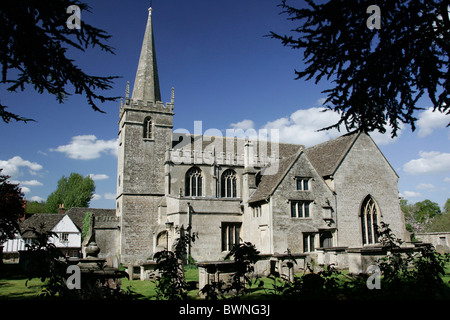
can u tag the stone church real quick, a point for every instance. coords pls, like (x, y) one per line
(277, 196)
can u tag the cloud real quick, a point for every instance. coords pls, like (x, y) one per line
(110, 196)
(25, 189)
(31, 183)
(429, 163)
(97, 177)
(302, 126)
(37, 198)
(425, 186)
(96, 196)
(447, 179)
(12, 166)
(87, 147)
(244, 125)
(429, 121)
(410, 194)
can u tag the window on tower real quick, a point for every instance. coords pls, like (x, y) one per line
(148, 128)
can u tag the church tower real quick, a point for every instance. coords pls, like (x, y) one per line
(145, 133)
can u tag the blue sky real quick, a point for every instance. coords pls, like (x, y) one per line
(225, 74)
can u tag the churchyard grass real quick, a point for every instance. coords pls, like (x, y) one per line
(14, 286)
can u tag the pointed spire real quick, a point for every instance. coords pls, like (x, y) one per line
(146, 84)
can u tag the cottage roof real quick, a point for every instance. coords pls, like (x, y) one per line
(45, 220)
(50, 220)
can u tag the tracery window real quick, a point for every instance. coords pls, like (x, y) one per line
(369, 221)
(228, 184)
(193, 182)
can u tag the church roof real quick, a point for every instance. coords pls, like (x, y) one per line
(146, 83)
(327, 156)
(269, 183)
(232, 145)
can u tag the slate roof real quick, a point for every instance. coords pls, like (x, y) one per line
(324, 157)
(269, 183)
(50, 220)
(47, 220)
(327, 156)
(193, 141)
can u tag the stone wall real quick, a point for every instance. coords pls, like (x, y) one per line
(365, 172)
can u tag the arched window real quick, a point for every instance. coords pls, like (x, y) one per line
(369, 221)
(228, 184)
(148, 128)
(193, 182)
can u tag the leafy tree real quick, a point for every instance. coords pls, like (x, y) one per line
(35, 207)
(378, 74)
(34, 41)
(426, 209)
(12, 207)
(72, 191)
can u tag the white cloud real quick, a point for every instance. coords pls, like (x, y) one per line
(96, 196)
(429, 121)
(37, 198)
(302, 126)
(97, 177)
(447, 179)
(25, 189)
(429, 162)
(87, 147)
(410, 194)
(110, 196)
(244, 125)
(31, 183)
(12, 166)
(425, 186)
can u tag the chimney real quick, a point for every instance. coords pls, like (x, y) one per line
(61, 209)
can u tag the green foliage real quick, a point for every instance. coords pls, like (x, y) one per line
(244, 255)
(86, 225)
(36, 207)
(45, 261)
(377, 75)
(404, 274)
(426, 209)
(12, 207)
(41, 25)
(72, 191)
(171, 284)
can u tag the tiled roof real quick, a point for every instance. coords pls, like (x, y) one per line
(326, 156)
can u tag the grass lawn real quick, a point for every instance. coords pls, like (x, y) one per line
(12, 285)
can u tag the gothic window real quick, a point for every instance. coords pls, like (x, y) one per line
(300, 209)
(369, 221)
(193, 182)
(230, 235)
(148, 128)
(228, 184)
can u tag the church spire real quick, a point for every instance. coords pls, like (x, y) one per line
(146, 84)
